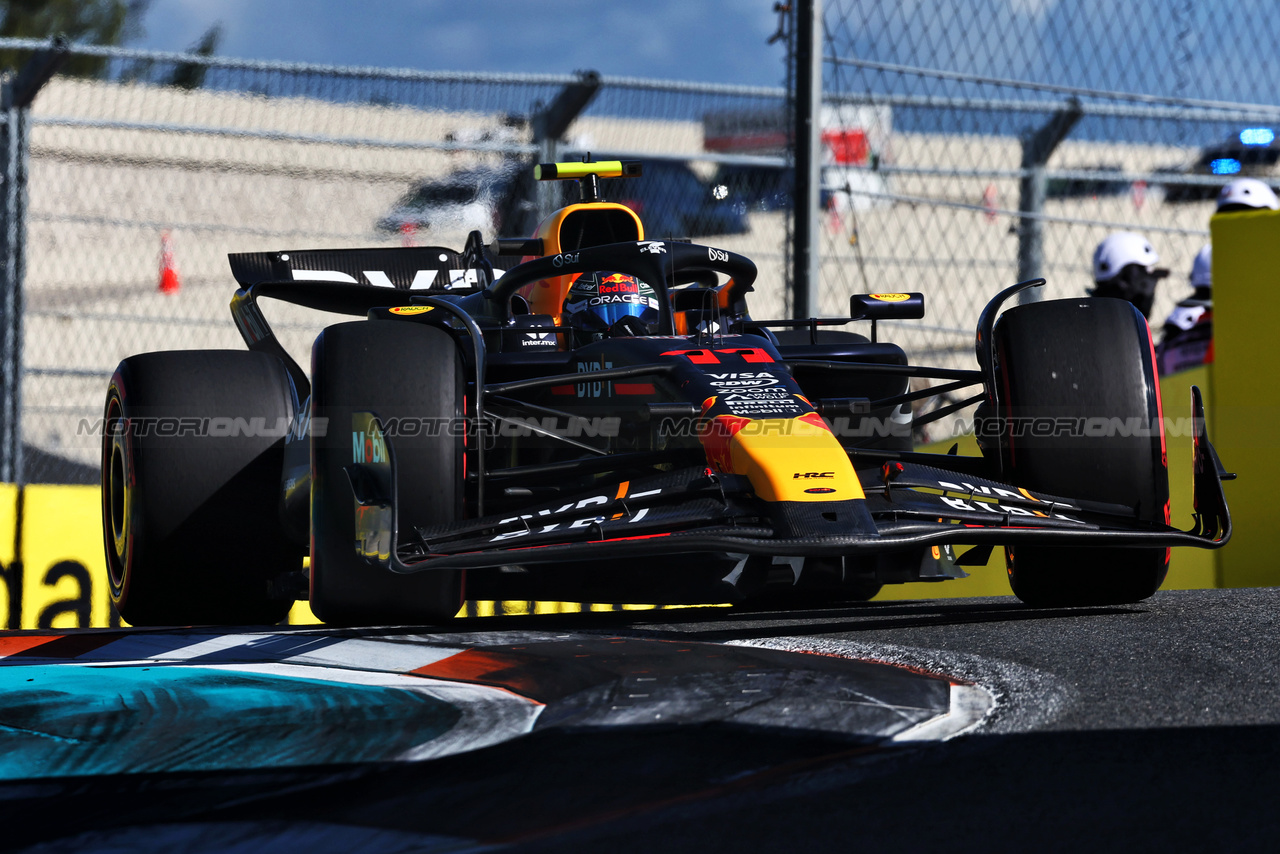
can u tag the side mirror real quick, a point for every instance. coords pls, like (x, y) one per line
(886, 306)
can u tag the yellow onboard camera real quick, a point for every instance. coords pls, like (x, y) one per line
(601, 169)
(588, 174)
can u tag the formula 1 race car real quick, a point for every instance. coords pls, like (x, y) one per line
(605, 421)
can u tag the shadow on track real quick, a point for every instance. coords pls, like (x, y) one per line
(703, 789)
(715, 623)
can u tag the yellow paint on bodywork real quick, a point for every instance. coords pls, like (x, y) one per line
(783, 457)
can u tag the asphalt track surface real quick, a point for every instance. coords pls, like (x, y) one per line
(1142, 728)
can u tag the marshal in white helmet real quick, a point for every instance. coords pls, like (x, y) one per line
(1124, 267)
(1245, 194)
(1187, 341)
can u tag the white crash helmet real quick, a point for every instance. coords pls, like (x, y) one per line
(1248, 193)
(1202, 268)
(1118, 251)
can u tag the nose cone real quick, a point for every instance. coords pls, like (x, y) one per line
(786, 459)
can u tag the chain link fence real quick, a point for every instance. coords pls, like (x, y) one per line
(1024, 132)
(966, 144)
(143, 178)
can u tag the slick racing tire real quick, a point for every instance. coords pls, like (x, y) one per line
(191, 488)
(399, 371)
(1066, 363)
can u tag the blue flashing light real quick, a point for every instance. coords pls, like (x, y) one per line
(1225, 166)
(1257, 136)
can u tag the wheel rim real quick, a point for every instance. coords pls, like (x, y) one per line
(119, 522)
(116, 494)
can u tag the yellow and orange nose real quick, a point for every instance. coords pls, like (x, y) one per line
(786, 459)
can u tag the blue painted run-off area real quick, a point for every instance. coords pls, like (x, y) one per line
(65, 720)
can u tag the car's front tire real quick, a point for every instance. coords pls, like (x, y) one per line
(1085, 366)
(402, 372)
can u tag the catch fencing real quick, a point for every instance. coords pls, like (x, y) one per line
(1023, 133)
(142, 179)
(963, 150)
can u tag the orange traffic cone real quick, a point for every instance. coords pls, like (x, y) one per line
(1139, 193)
(989, 202)
(169, 281)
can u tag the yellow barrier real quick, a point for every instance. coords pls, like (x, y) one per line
(52, 571)
(51, 548)
(1246, 305)
(53, 574)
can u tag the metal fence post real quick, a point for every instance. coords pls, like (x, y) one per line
(10, 387)
(527, 202)
(550, 124)
(807, 261)
(1037, 146)
(16, 95)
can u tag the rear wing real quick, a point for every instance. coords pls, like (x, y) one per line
(410, 268)
(348, 281)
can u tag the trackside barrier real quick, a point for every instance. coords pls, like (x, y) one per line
(51, 561)
(1246, 303)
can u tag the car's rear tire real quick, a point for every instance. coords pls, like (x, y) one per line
(1073, 361)
(191, 514)
(397, 370)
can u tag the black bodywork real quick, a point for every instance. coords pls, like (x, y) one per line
(591, 451)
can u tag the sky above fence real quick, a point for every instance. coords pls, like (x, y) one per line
(722, 41)
(1210, 49)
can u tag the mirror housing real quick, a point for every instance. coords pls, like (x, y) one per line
(908, 306)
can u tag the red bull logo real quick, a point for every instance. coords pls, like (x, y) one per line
(619, 283)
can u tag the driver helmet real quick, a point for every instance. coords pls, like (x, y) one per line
(1124, 267)
(1244, 194)
(604, 302)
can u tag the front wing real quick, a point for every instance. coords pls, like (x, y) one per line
(697, 510)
